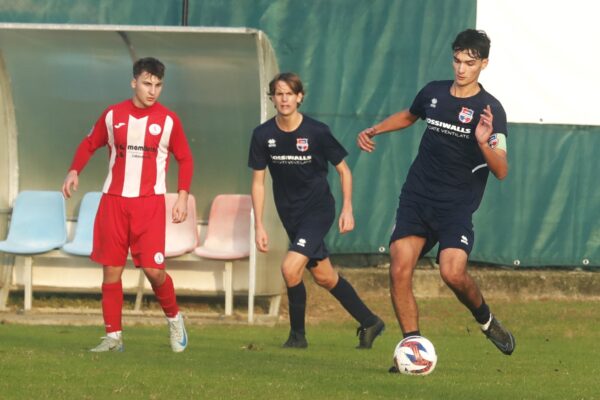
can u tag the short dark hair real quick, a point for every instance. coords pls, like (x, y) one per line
(292, 79)
(150, 65)
(476, 42)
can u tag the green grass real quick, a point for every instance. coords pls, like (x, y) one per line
(557, 357)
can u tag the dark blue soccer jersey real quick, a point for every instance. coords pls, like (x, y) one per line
(449, 171)
(298, 163)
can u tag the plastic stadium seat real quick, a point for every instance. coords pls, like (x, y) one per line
(228, 237)
(81, 245)
(180, 238)
(37, 225)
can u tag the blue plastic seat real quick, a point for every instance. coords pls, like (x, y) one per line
(37, 225)
(82, 242)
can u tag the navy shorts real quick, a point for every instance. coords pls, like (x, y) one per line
(449, 228)
(307, 236)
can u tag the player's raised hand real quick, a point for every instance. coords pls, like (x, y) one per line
(71, 181)
(365, 140)
(261, 239)
(485, 127)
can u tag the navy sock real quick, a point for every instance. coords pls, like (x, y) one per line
(482, 313)
(297, 307)
(346, 295)
(412, 333)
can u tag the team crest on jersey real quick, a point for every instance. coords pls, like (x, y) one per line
(466, 115)
(155, 129)
(302, 144)
(493, 141)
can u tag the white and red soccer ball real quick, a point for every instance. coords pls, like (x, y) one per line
(415, 355)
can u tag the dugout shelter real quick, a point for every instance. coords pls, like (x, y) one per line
(55, 81)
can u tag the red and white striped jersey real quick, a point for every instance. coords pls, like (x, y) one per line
(139, 141)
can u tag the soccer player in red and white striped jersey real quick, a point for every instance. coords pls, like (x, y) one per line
(140, 133)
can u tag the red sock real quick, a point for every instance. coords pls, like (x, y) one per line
(165, 294)
(112, 306)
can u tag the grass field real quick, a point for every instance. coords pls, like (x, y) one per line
(557, 357)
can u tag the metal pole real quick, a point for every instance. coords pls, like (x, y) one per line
(184, 13)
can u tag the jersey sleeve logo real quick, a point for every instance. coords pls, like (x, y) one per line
(466, 115)
(497, 141)
(155, 129)
(302, 144)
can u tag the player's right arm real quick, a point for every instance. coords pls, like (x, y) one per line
(98, 137)
(71, 182)
(258, 203)
(394, 122)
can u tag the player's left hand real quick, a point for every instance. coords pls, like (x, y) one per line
(346, 221)
(485, 127)
(179, 212)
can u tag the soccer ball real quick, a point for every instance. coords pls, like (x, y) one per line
(415, 355)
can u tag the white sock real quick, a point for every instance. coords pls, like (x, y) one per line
(484, 327)
(114, 335)
(175, 318)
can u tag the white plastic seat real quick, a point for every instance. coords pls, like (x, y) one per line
(180, 238)
(228, 238)
(82, 242)
(37, 225)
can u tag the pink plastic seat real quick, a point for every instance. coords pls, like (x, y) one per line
(180, 238)
(228, 236)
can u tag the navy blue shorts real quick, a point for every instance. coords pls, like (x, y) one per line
(449, 228)
(307, 236)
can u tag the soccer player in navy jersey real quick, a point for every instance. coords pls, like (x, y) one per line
(140, 134)
(465, 138)
(297, 150)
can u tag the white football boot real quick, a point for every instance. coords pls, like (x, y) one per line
(179, 339)
(109, 344)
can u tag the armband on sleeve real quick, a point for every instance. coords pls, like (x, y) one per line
(497, 141)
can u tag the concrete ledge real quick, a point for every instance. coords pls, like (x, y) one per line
(93, 317)
(494, 282)
(372, 283)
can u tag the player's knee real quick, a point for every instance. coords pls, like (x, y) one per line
(111, 275)
(328, 282)
(291, 276)
(401, 272)
(156, 277)
(452, 277)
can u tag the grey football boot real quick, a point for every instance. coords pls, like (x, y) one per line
(500, 336)
(109, 344)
